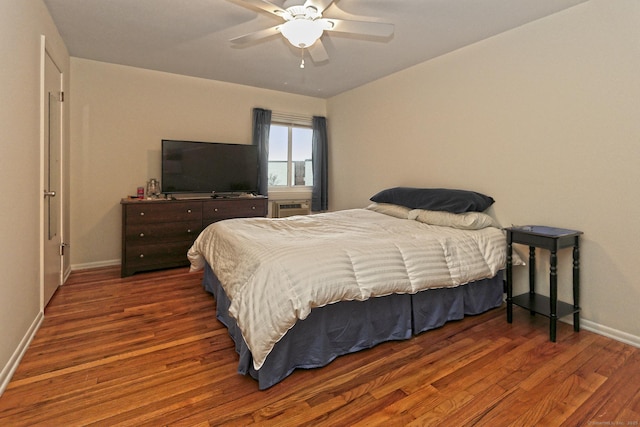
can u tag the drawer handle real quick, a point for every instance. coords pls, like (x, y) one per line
(189, 231)
(253, 207)
(188, 210)
(141, 234)
(215, 210)
(141, 213)
(141, 255)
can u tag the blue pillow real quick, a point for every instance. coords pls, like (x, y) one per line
(435, 199)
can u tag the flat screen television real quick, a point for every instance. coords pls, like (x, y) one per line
(208, 167)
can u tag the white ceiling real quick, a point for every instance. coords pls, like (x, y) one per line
(191, 37)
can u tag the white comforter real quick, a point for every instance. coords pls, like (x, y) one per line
(276, 270)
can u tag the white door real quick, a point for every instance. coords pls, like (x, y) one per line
(52, 173)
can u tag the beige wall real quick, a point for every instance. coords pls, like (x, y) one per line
(21, 25)
(545, 118)
(120, 114)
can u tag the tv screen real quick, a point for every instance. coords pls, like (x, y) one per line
(206, 167)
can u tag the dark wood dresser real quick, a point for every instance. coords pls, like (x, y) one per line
(158, 233)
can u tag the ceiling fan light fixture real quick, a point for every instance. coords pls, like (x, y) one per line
(302, 33)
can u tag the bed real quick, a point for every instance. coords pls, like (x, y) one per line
(298, 292)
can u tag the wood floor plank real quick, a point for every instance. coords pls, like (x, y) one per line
(148, 350)
(477, 408)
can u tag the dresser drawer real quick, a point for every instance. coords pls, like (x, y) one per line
(140, 213)
(155, 232)
(170, 254)
(217, 210)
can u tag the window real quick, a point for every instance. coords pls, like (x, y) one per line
(290, 148)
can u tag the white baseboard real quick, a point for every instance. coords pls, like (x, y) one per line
(606, 331)
(65, 275)
(16, 357)
(97, 264)
(610, 332)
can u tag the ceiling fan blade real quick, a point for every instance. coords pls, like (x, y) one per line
(257, 35)
(267, 6)
(376, 29)
(318, 52)
(320, 5)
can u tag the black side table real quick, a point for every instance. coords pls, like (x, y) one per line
(552, 239)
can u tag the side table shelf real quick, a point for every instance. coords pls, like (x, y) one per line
(552, 239)
(541, 305)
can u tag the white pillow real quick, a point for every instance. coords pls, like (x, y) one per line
(463, 221)
(397, 211)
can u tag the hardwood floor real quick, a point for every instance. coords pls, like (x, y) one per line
(148, 350)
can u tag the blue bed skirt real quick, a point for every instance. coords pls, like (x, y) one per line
(350, 326)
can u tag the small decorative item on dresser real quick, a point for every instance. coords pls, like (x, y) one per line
(153, 188)
(552, 239)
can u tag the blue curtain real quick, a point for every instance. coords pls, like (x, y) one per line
(319, 195)
(261, 126)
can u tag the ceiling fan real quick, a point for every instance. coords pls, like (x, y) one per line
(304, 25)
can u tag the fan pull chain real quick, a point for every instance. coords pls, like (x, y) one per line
(302, 58)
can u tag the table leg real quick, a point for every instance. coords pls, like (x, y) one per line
(553, 295)
(532, 274)
(576, 284)
(509, 278)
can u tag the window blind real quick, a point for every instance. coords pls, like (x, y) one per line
(291, 119)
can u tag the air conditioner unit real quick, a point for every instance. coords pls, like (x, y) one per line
(285, 208)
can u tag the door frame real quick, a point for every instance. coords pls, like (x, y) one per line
(45, 50)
